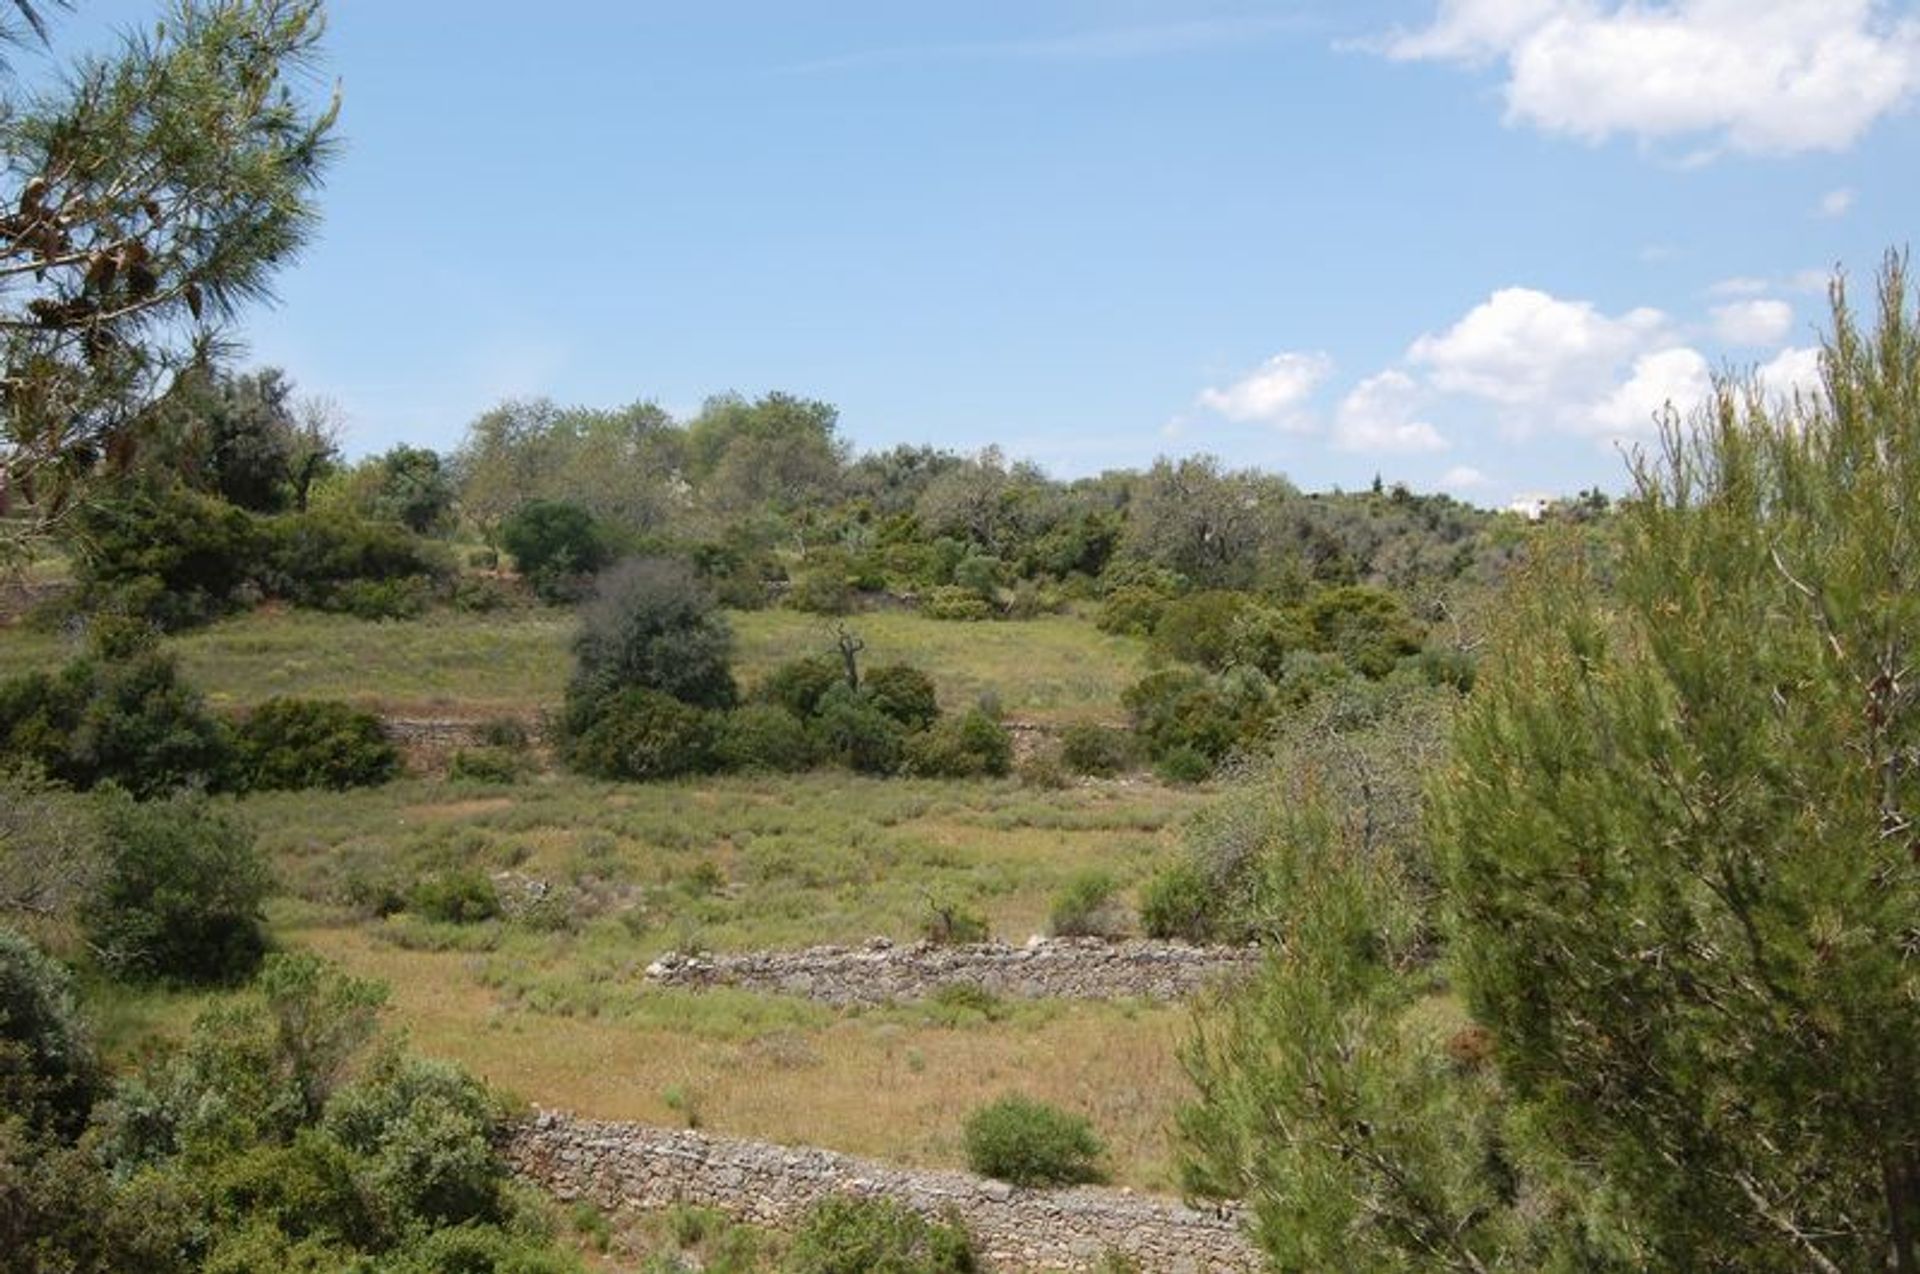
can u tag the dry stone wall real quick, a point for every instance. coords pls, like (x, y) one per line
(1063, 968)
(630, 1166)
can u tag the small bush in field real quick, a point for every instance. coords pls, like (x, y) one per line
(952, 602)
(643, 734)
(855, 733)
(800, 685)
(456, 897)
(181, 896)
(965, 747)
(1099, 750)
(953, 924)
(1044, 770)
(1087, 908)
(822, 592)
(1184, 765)
(764, 736)
(300, 743)
(848, 1235)
(1029, 1143)
(904, 693)
(1179, 904)
(485, 765)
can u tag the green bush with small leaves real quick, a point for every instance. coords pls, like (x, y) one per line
(904, 693)
(845, 1235)
(288, 743)
(950, 601)
(1179, 903)
(1029, 1143)
(1098, 750)
(455, 897)
(972, 745)
(764, 737)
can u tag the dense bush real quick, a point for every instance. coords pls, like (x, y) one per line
(302, 743)
(764, 736)
(800, 684)
(132, 722)
(644, 734)
(1200, 628)
(486, 765)
(1086, 748)
(953, 924)
(49, 1077)
(165, 553)
(1369, 628)
(1029, 1143)
(333, 561)
(1183, 764)
(455, 897)
(1179, 903)
(949, 601)
(857, 734)
(904, 693)
(1182, 708)
(180, 898)
(1131, 610)
(822, 591)
(652, 624)
(969, 746)
(557, 546)
(1088, 907)
(845, 1235)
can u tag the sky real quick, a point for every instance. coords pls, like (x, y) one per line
(1471, 245)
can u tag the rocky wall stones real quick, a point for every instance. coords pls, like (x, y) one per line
(632, 1166)
(1063, 968)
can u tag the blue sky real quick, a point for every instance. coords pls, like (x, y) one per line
(1470, 244)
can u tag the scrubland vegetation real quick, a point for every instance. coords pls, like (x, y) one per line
(1581, 853)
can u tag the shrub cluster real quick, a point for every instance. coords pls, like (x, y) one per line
(1029, 1143)
(133, 722)
(845, 1235)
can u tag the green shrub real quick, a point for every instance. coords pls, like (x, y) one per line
(949, 601)
(49, 1077)
(557, 546)
(132, 722)
(644, 734)
(1369, 628)
(455, 897)
(164, 553)
(486, 765)
(1178, 708)
(799, 685)
(763, 736)
(652, 624)
(953, 924)
(1086, 748)
(1200, 628)
(1132, 610)
(856, 734)
(824, 591)
(1184, 765)
(980, 574)
(1179, 903)
(181, 895)
(1044, 769)
(301, 743)
(969, 746)
(334, 561)
(1029, 1143)
(904, 693)
(408, 597)
(1087, 907)
(845, 1235)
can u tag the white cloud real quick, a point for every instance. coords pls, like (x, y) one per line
(1276, 393)
(1791, 371)
(1743, 285)
(1379, 415)
(1762, 76)
(1525, 348)
(1751, 323)
(1836, 203)
(1463, 477)
(1678, 377)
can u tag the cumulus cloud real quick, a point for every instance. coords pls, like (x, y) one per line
(1463, 477)
(1792, 371)
(1678, 377)
(1276, 393)
(1380, 415)
(1761, 76)
(1836, 203)
(1524, 348)
(1752, 323)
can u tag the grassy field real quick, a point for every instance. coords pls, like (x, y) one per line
(556, 1007)
(459, 665)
